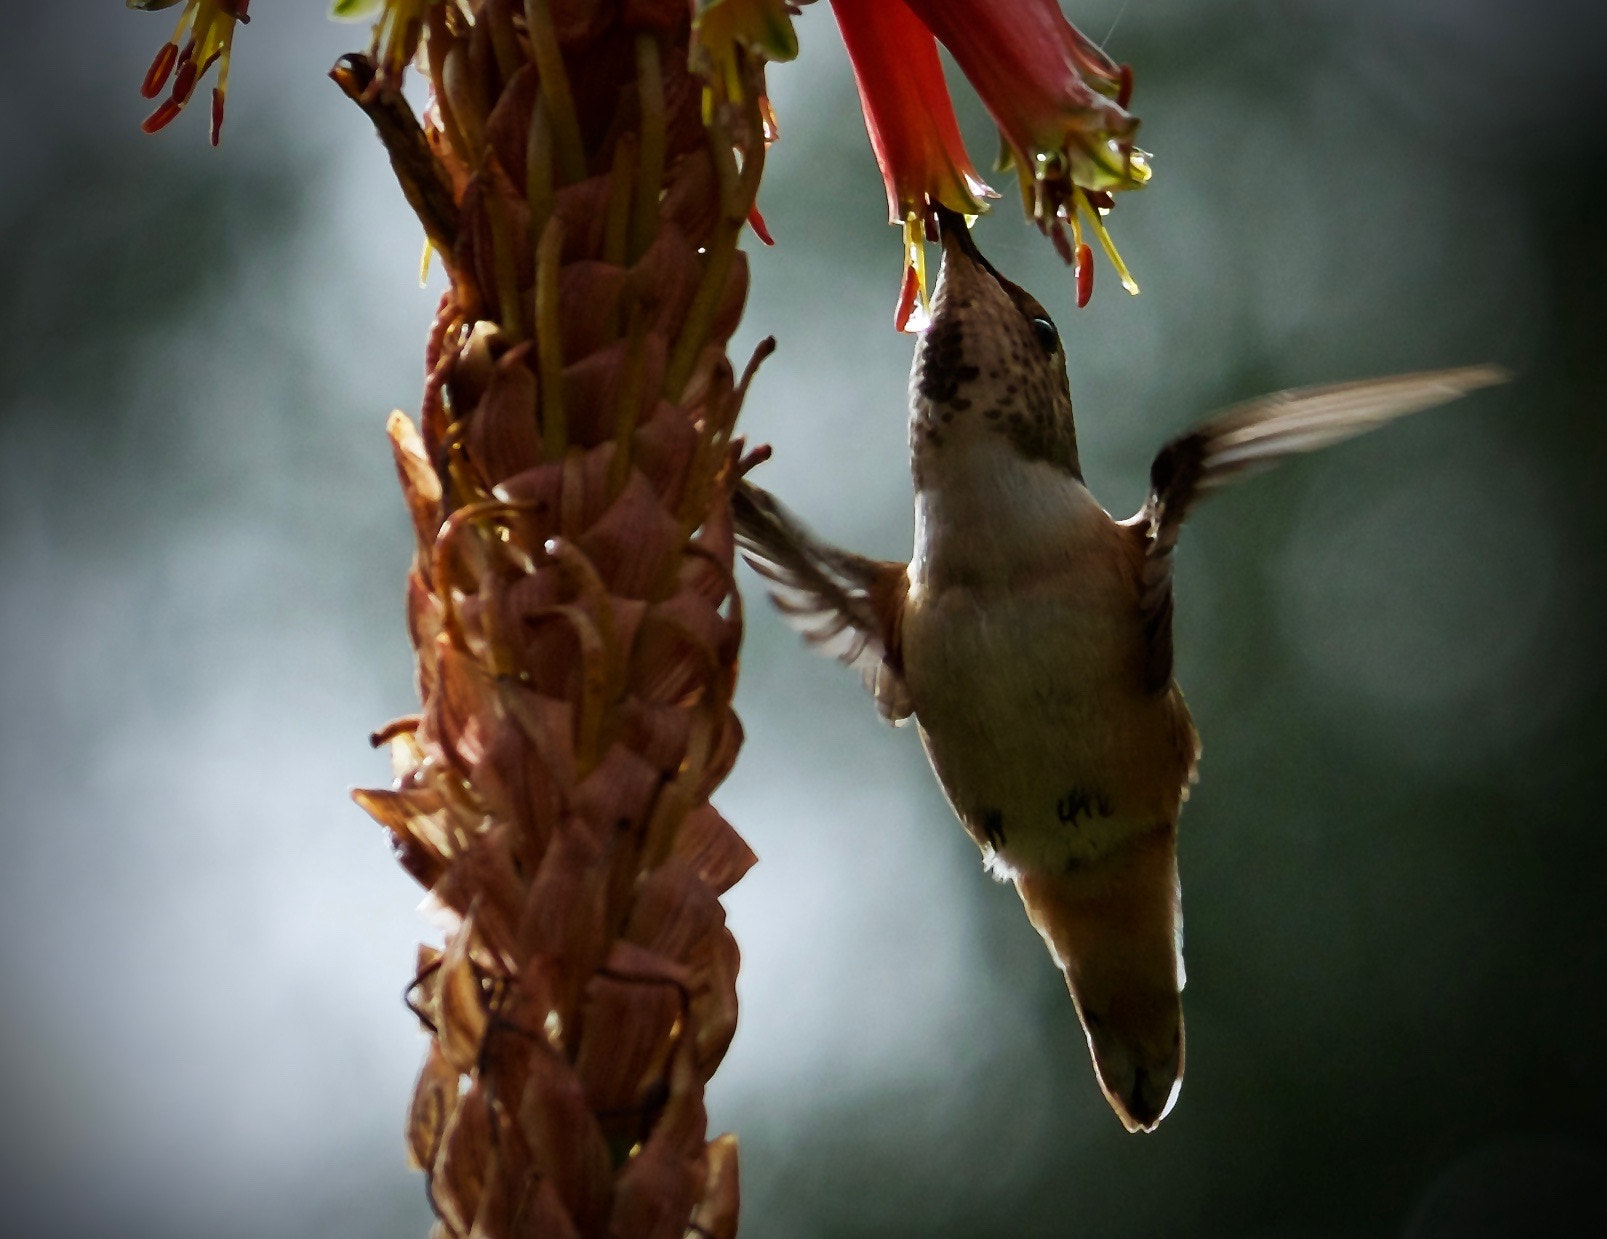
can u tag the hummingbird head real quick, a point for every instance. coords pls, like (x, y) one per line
(991, 360)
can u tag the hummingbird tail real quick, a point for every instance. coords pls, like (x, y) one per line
(1114, 927)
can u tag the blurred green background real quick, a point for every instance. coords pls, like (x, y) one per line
(1395, 868)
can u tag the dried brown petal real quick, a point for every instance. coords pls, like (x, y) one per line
(628, 1025)
(434, 1098)
(484, 877)
(563, 914)
(420, 487)
(633, 541)
(566, 1143)
(660, 1186)
(616, 796)
(505, 436)
(716, 1215)
(410, 830)
(516, 1202)
(674, 911)
(462, 1163)
(715, 851)
(665, 447)
(461, 1019)
(714, 1005)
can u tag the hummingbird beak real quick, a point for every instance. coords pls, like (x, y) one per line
(968, 281)
(959, 248)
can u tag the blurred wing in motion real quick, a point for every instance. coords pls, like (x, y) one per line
(1252, 437)
(846, 606)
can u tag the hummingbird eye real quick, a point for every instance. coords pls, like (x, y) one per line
(1044, 331)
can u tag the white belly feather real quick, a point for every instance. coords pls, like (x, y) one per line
(1020, 643)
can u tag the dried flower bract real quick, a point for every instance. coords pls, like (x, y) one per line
(572, 606)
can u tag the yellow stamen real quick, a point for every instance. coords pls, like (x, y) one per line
(915, 257)
(1106, 244)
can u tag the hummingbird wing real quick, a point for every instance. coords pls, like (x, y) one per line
(1251, 437)
(847, 606)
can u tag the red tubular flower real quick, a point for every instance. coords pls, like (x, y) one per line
(211, 34)
(912, 128)
(1060, 103)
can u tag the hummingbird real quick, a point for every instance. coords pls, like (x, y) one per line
(1030, 638)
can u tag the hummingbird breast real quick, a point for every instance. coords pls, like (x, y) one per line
(1023, 652)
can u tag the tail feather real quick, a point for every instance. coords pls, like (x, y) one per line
(1114, 928)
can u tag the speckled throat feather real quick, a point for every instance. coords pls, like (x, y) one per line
(981, 362)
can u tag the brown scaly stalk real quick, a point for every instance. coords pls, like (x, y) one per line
(572, 607)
